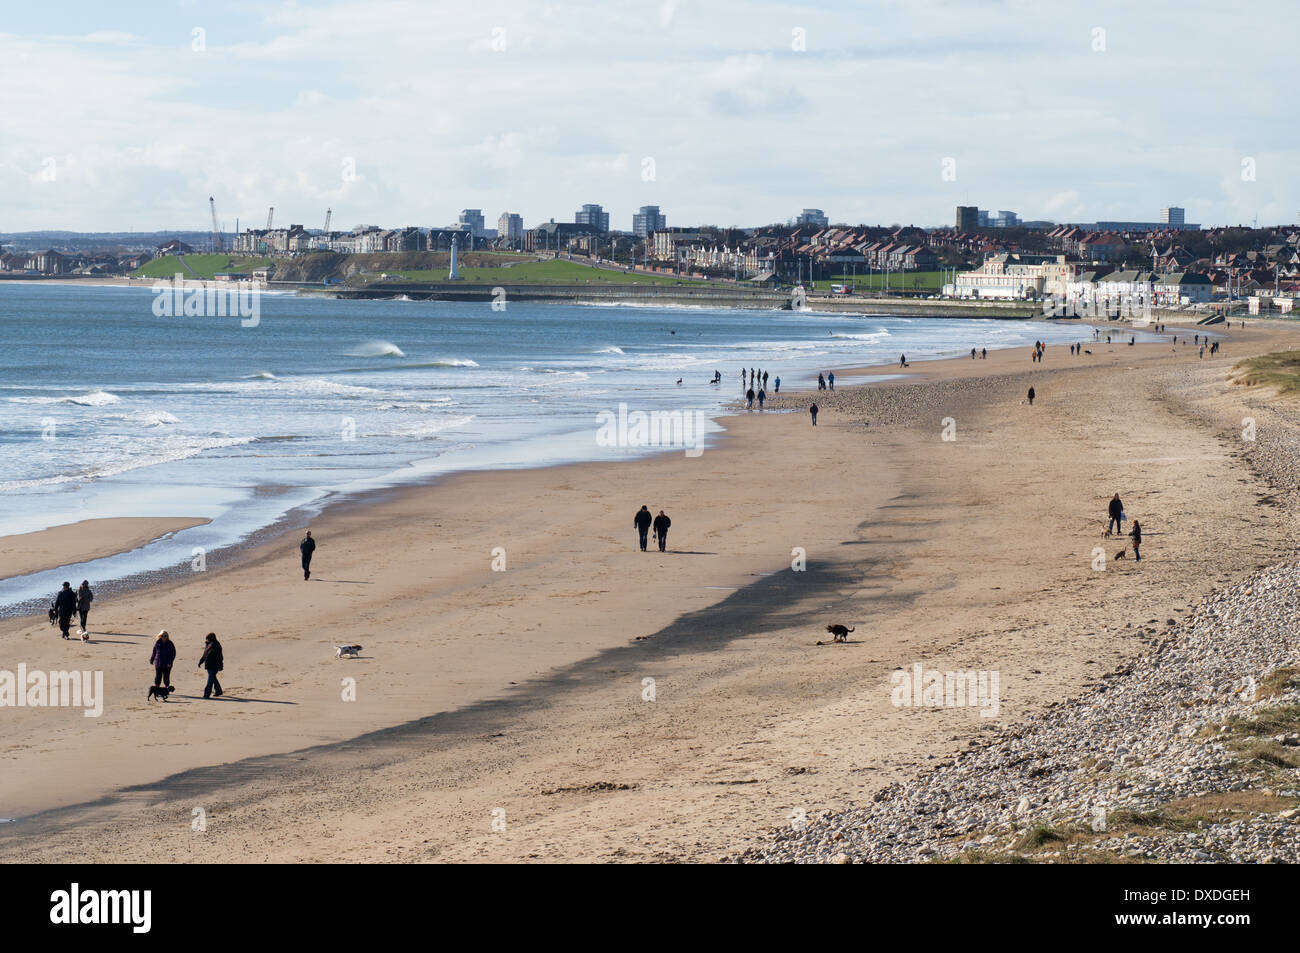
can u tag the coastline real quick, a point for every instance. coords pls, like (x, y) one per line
(699, 295)
(70, 544)
(559, 652)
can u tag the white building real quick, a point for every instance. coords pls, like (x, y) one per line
(1014, 277)
(510, 227)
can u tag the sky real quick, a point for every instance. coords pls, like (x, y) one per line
(129, 115)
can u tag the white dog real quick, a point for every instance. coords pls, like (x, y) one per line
(347, 651)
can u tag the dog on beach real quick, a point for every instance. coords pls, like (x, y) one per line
(1121, 554)
(157, 692)
(346, 651)
(839, 633)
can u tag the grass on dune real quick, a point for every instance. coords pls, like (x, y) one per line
(1280, 370)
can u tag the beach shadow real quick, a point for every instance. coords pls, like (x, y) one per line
(227, 698)
(769, 604)
(103, 642)
(134, 635)
(350, 582)
(687, 552)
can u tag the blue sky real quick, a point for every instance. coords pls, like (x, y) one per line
(398, 112)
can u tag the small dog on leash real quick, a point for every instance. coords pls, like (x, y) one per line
(1121, 554)
(839, 633)
(346, 651)
(159, 692)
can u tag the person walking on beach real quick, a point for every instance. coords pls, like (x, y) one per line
(308, 546)
(765, 378)
(162, 658)
(813, 410)
(830, 379)
(84, 598)
(749, 396)
(1137, 540)
(642, 522)
(661, 524)
(1116, 513)
(777, 389)
(1031, 397)
(821, 381)
(902, 360)
(984, 354)
(65, 603)
(972, 354)
(762, 396)
(212, 659)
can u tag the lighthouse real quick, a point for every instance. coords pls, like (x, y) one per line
(454, 275)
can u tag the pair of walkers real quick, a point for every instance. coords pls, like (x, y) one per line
(644, 522)
(66, 602)
(1115, 525)
(212, 660)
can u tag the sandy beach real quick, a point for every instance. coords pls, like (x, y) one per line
(590, 702)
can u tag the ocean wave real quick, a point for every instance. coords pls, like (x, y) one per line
(433, 403)
(865, 336)
(260, 376)
(429, 428)
(99, 398)
(608, 350)
(179, 450)
(151, 418)
(376, 349)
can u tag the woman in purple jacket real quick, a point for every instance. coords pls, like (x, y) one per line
(164, 654)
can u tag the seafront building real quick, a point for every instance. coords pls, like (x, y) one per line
(1023, 277)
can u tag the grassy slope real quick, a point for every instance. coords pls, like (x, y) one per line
(204, 265)
(543, 272)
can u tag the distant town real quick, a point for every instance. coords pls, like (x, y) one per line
(984, 256)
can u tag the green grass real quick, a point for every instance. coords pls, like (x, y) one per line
(542, 273)
(1280, 370)
(928, 281)
(205, 266)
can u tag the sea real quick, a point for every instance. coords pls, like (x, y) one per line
(111, 410)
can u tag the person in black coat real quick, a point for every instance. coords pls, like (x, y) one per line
(642, 522)
(1115, 511)
(1137, 540)
(307, 546)
(65, 603)
(212, 660)
(162, 657)
(661, 524)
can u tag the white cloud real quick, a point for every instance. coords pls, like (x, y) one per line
(742, 129)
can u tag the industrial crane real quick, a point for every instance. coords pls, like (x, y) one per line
(216, 231)
(328, 213)
(270, 214)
